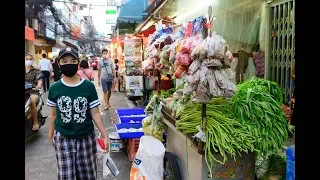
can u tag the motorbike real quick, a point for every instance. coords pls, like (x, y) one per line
(28, 117)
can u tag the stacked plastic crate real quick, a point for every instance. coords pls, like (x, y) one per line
(129, 119)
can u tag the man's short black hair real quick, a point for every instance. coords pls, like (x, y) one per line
(84, 64)
(44, 55)
(104, 50)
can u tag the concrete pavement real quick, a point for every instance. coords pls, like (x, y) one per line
(40, 161)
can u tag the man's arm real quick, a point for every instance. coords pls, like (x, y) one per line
(96, 117)
(99, 73)
(99, 70)
(53, 117)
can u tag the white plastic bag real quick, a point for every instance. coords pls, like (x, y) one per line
(148, 163)
(109, 167)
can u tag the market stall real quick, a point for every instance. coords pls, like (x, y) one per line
(217, 129)
(133, 65)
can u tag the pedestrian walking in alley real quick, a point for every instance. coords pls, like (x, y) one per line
(74, 105)
(106, 75)
(31, 74)
(116, 79)
(45, 68)
(84, 71)
(56, 70)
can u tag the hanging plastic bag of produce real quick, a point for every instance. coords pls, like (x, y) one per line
(203, 54)
(196, 41)
(202, 93)
(172, 56)
(195, 65)
(188, 89)
(183, 59)
(200, 135)
(210, 62)
(153, 126)
(214, 89)
(194, 78)
(180, 71)
(216, 44)
(148, 163)
(228, 73)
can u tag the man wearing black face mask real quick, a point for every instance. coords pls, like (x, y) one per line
(74, 107)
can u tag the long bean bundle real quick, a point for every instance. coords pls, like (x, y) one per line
(261, 113)
(224, 134)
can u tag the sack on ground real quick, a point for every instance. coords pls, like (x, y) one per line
(148, 163)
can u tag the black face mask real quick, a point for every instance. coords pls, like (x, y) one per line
(69, 70)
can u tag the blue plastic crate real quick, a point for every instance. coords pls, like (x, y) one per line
(129, 134)
(130, 111)
(124, 119)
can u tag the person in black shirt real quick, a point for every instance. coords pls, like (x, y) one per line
(115, 82)
(56, 70)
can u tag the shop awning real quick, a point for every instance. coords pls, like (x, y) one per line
(133, 11)
(29, 33)
(147, 32)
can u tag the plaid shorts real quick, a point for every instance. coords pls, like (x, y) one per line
(76, 158)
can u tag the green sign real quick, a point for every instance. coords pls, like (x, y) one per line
(111, 11)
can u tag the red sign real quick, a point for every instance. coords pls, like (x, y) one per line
(29, 33)
(76, 32)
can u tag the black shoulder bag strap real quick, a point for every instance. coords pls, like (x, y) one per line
(85, 74)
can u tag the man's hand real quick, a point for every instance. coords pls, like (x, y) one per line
(106, 145)
(50, 137)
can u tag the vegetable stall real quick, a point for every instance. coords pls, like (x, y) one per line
(216, 128)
